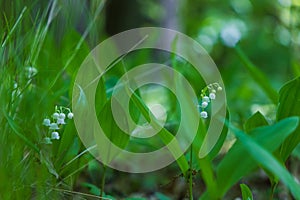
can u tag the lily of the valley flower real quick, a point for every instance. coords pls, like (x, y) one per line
(61, 121)
(204, 114)
(58, 119)
(53, 126)
(212, 96)
(55, 135)
(212, 90)
(70, 115)
(46, 122)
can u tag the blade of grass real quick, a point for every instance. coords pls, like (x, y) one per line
(14, 27)
(17, 130)
(77, 48)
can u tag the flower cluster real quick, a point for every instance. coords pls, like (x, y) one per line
(212, 90)
(58, 119)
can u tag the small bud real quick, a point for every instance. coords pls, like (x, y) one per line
(47, 140)
(213, 91)
(55, 115)
(70, 115)
(219, 88)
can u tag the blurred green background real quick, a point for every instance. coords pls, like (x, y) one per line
(53, 38)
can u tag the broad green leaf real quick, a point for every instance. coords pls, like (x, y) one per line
(112, 131)
(246, 192)
(289, 105)
(255, 121)
(216, 149)
(238, 162)
(262, 156)
(258, 76)
(66, 144)
(205, 164)
(164, 134)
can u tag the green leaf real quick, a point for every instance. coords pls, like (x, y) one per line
(255, 121)
(161, 196)
(216, 149)
(246, 192)
(205, 164)
(164, 134)
(48, 163)
(93, 188)
(111, 130)
(289, 105)
(262, 156)
(239, 159)
(67, 144)
(258, 76)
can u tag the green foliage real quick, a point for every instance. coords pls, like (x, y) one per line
(42, 45)
(246, 192)
(289, 105)
(259, 77)
(267, 160)
(255, 121)
(112, 131)
(241, 159)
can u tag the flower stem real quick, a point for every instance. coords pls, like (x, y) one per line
(103, 180)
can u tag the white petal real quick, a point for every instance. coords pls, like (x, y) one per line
(203, 114)
(46, 122)
(53, 126)
(55, 135)
(60, 121)
(55, 115)
(62, 116)
(205, 98)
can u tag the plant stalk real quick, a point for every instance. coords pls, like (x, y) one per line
(103, 180)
